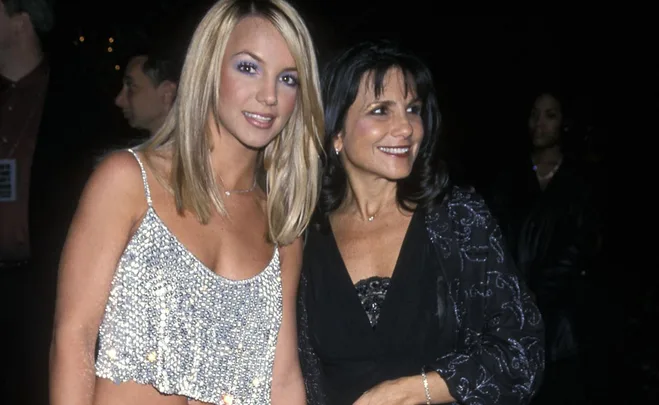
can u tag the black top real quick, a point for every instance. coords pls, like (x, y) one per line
(553, 236)
(366, 333)
(371, 292)
(454, 285)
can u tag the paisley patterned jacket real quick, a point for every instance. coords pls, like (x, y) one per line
(498, 341)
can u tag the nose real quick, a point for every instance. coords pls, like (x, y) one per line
(267, 94)
(120, 100)
(540, 123)
(402, 127)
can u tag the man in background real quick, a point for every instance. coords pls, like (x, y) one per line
(149, 89)
(24, 84)
(24, 76)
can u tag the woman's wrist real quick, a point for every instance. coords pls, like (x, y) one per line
(426, 388)
(414, 390)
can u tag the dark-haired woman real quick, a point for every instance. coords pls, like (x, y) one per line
(407, 295)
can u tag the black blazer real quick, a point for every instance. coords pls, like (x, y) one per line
(498, 342)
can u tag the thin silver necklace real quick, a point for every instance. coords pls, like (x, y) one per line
(372, 217)
(246, 190)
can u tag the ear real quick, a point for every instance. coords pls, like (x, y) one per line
(167, 90)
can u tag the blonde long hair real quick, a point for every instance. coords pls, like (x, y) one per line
(291, 161)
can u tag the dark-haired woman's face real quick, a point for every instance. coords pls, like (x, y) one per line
(545, 122)
(382, 136)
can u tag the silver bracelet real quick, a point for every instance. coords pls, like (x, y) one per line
(425, 386)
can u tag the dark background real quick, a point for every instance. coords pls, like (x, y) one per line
(486, 67)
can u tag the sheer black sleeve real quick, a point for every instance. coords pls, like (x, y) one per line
(499, 358)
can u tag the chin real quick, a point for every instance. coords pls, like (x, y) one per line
(257, 142)
(396, 176)
(544, 143)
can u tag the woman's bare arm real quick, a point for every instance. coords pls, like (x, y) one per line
(111, 203)
(287, 382)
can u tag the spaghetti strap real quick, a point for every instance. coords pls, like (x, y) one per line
(147, 192)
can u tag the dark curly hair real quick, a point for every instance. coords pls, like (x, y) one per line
(340, 85)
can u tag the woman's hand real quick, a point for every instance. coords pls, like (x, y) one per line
(407, 391)
(393, 392)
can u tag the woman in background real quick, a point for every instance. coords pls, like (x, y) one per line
(551, 217)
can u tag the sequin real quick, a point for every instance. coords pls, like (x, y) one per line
(174, 324)
(372, 292)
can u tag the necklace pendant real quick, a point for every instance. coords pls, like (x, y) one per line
(228, 193)
(370, 219)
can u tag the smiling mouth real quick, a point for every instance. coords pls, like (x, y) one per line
(259, 117)
(258, 120)
(395, 151)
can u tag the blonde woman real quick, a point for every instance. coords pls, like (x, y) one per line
(182, 265)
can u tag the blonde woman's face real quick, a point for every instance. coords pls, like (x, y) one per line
(259, 84)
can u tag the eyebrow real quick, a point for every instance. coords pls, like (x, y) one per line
(390, 102)
(260, 60)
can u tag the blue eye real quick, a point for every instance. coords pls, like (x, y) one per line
(247, 67)
(290, 80)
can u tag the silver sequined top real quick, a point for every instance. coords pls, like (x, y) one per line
(173, 323)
